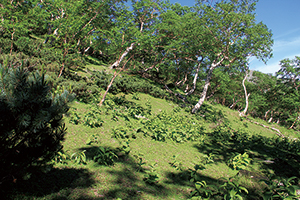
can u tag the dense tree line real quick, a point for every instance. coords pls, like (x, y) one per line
(202, 50)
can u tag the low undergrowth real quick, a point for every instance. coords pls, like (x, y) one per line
(138, 147)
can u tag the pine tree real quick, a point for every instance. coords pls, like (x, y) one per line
(31, 126)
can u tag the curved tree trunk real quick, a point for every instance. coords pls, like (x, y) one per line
(243, 113)
(195, 80)
(117, 63)
(203, 95)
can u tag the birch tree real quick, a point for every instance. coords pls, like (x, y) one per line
(233, 35)
(136, 28)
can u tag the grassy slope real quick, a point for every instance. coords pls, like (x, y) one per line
(125, 179)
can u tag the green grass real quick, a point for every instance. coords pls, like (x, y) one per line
(124, 179)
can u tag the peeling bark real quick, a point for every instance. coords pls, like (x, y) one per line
(266, 114)
(272, 128)
(203, 95)
(270, 120)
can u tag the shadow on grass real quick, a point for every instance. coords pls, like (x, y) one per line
(270, 158)
(128, 183)
(182, 178)
(56, 184)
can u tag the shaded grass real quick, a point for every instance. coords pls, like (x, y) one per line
(125, 178)
(59, 183)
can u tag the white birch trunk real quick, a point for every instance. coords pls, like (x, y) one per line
(270, 120)
(117, 63)
(207, 82)
(108, 87)
(243, 113)
(194, 81)
(294, 122)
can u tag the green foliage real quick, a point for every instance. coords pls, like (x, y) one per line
(176, 164)
(140, 162)
(222, 133)
(281, 188)
(175, 126)
(203, 191)
(151, 175)
(61, 157)
(31, 120)
(136, 96)
(127, 84)
(240, 161)
(93, 118)
(75, 118)
(123, 133)
(233, 190)
(93, 139)
(79, 157)
(104, 156)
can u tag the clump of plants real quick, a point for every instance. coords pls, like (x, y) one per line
(151, 175)
(281, 188)
(240, 161)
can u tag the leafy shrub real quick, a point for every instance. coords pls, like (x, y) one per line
(136, 96)
(151, 174)
(127, 84)
(222, 133)
(281, 188)
(79, 157)
(31, 121)
(233, 190)
(123, 132)
(176, 164)
(93, 139)
(175, 126)
(240, 161)
(104, 156)
(203, 190)
(61, 157)
(83, 88)
(140, 162)
(75, 118)
(93, 117)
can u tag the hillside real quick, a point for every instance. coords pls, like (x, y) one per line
(165, 106)
(137, 146)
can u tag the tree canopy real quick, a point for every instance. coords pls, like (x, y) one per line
(201, 51)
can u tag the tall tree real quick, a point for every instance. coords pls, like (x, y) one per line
(289, 74)
(233, 36)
